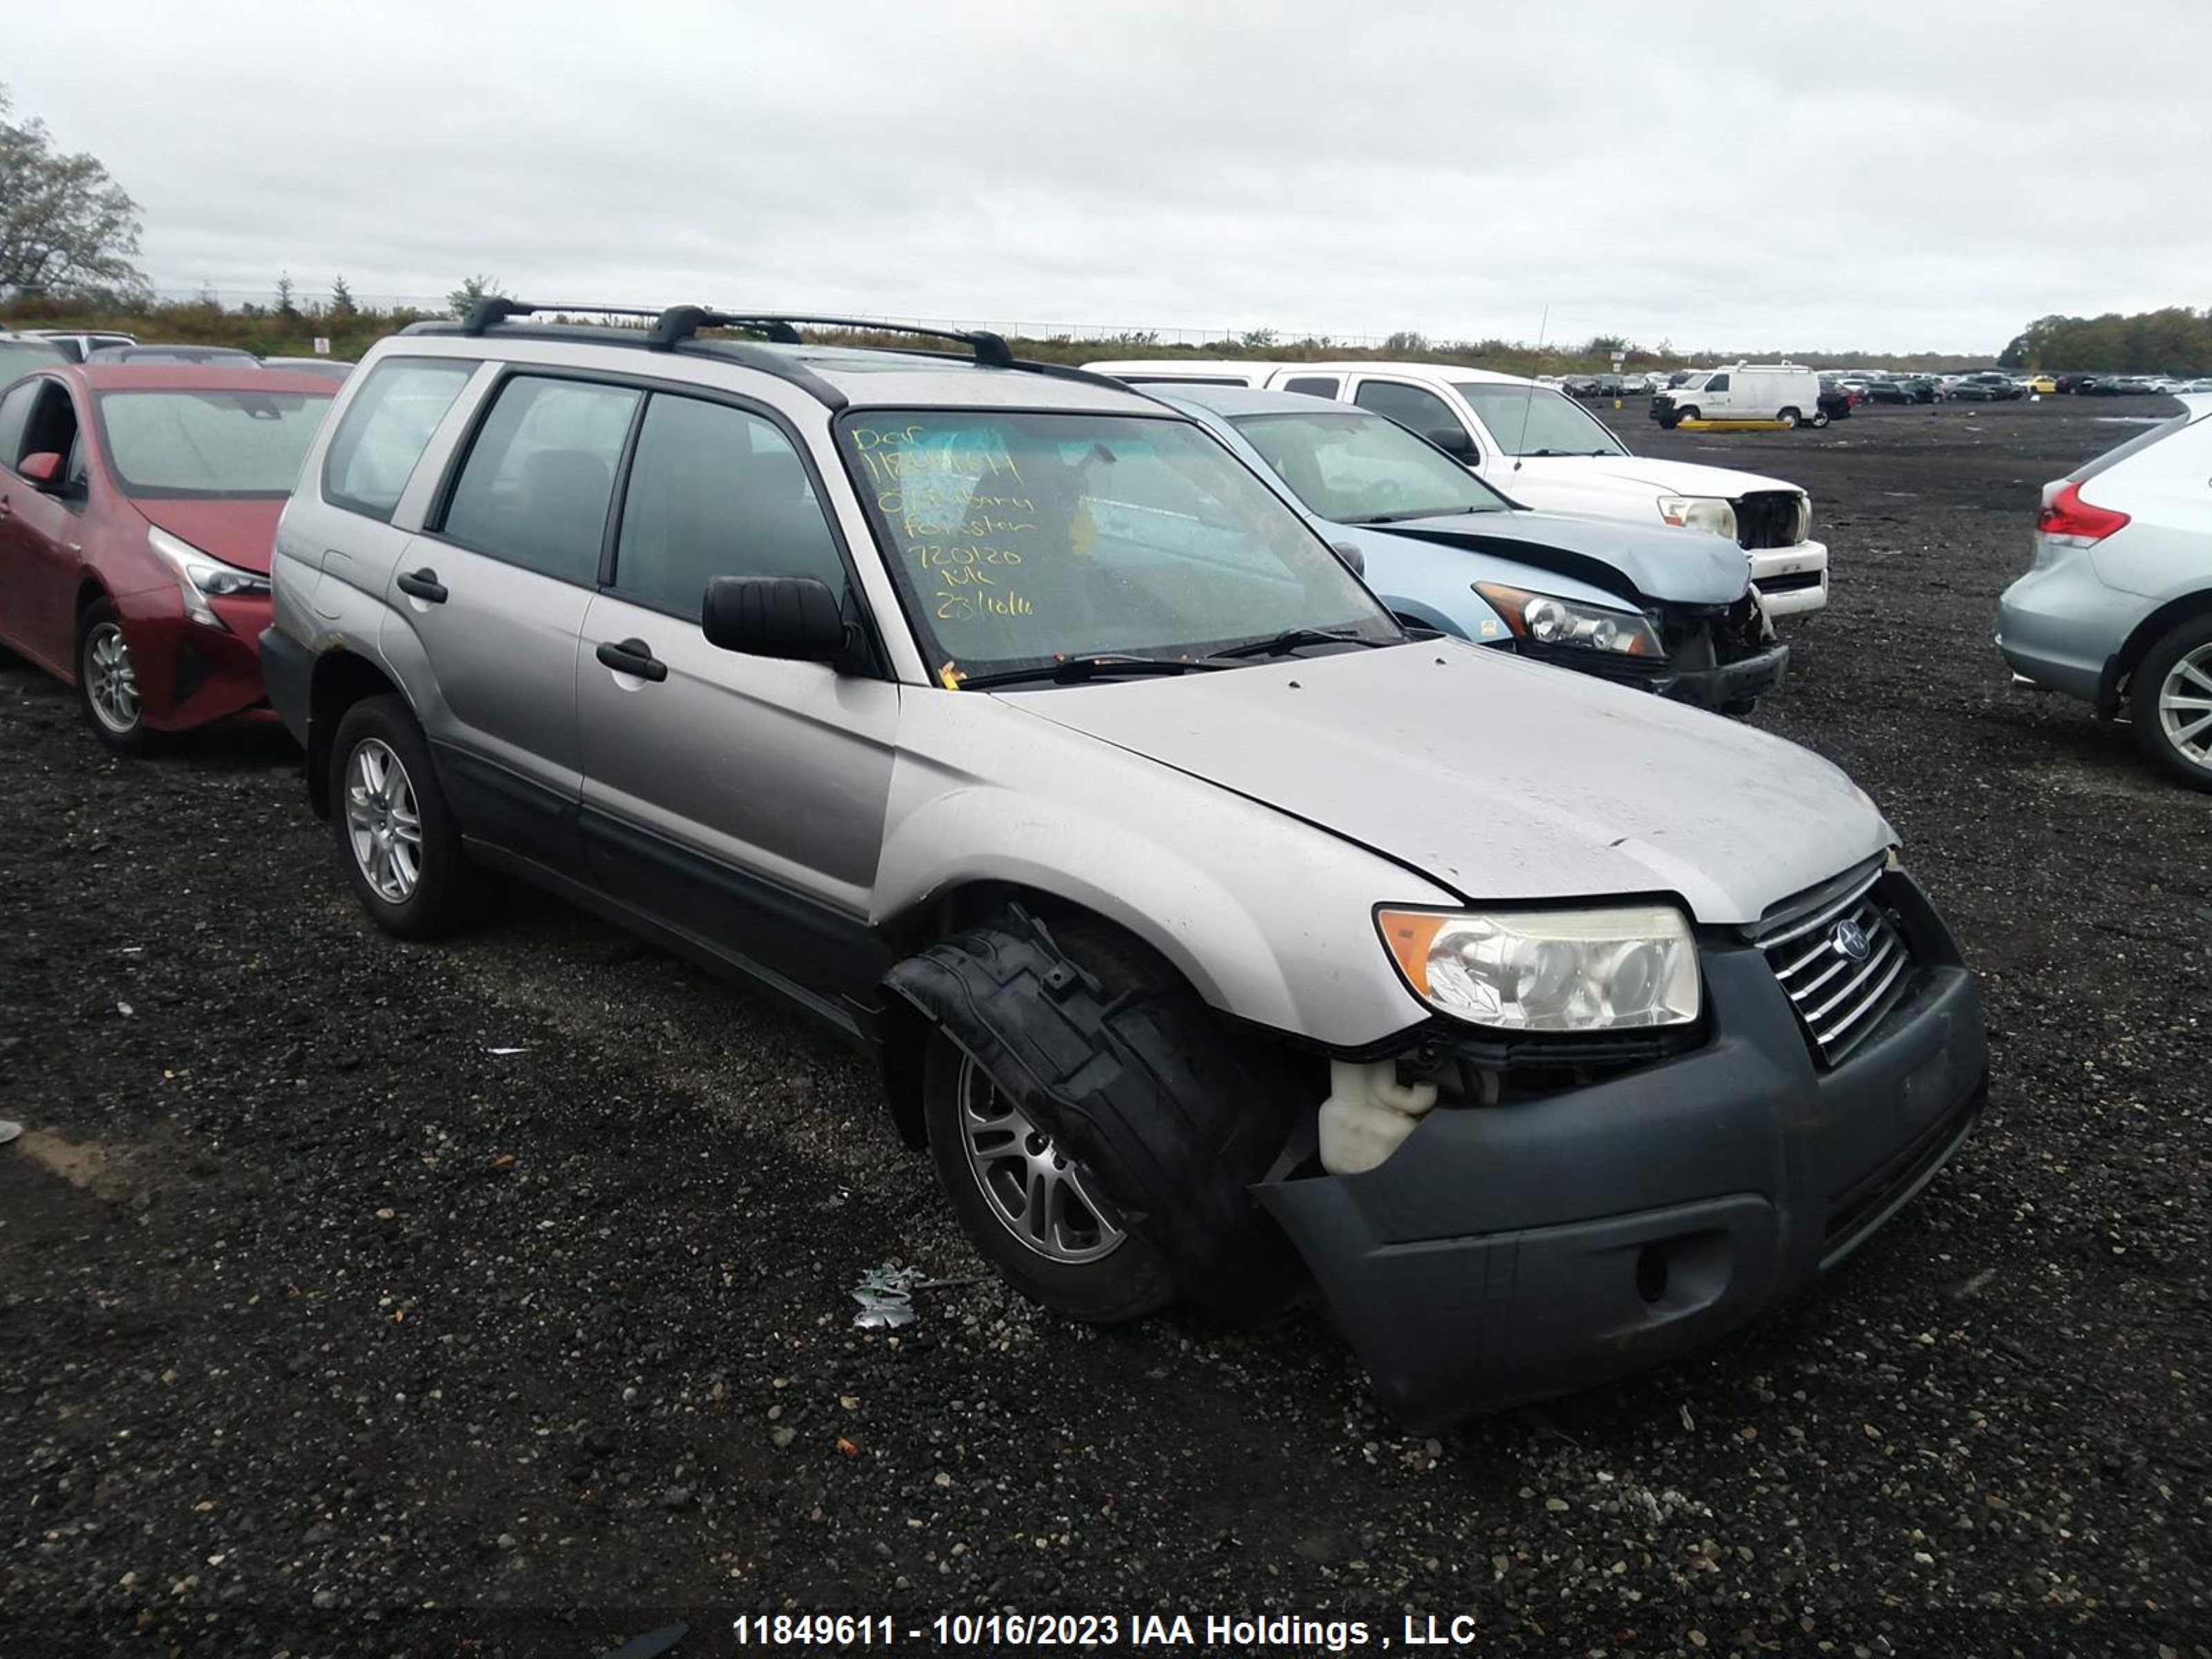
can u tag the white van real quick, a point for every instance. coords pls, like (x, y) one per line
(1787, 392)
(1541, 448)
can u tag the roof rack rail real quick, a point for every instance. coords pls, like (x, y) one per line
(497, 308)
(675, 326)
(680, 323)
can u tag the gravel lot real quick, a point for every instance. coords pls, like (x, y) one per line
(327, 1327)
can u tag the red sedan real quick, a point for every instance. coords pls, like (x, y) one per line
(138, 506)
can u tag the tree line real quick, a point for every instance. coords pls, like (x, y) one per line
(2173, 341)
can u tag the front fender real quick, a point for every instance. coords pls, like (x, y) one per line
(1269, 919)
(987, 834)
(1477, 621)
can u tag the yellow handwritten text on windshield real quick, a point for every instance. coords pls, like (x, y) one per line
(953, 506)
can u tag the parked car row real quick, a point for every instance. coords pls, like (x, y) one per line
(2136, 385)
(1221, 935)
(1989, 385)
(1536, 446)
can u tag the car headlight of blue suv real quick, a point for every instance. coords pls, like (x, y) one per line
(1546, 619)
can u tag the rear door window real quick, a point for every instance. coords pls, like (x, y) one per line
(1313, 385)
(386, 428)
(535, 488)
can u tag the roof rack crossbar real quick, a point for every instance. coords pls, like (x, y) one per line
(682, 322)
(497, 308)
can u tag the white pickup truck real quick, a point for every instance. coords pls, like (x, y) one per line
(1542, 449)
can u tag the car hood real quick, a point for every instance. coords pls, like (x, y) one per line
(1499, 778)
(1660, 561)
(1626, 475)
(243, 533)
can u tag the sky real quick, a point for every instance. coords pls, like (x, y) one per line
(1900, 177)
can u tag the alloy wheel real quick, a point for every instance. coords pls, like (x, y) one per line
(1036, 1192)
(111, 683)
(383, 823)
(2184, 706)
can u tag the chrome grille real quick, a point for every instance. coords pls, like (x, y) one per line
(1839, 996)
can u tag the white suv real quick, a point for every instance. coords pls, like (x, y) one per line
(1538, 446)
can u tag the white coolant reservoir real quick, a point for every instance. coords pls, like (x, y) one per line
(1367, 1114)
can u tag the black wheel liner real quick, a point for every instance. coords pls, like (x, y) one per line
(1175, 1117)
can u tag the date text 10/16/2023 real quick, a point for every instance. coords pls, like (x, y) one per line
(995, 1632)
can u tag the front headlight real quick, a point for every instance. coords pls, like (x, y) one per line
(1710, 513)
(1547, 619)
(1549, 970)
(201, 576)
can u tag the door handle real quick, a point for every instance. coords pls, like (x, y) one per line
(633, 657)
(423, 585)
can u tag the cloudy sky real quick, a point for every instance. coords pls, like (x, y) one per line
(1897, 176)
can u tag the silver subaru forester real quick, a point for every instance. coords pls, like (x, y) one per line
(1220, 938)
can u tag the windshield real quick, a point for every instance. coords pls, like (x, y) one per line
(1352, 468)
(19, 357)
(1531, 421)
(208, 443)
(1021, 539)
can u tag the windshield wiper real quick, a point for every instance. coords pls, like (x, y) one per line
(1291, 638)
(1428, 513)
(1073, 671)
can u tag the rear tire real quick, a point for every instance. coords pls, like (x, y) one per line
(1788, 418)
(2168, 696)
(107, 683)
(1820, 419)
(397, 841)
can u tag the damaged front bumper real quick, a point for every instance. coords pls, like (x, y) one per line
(1512, 1252)
(1720, 685)
(1728, 682)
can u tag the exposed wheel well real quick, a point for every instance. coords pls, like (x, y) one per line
(2148, 633)
(341, 680)
(904, 1032)
(89, 592)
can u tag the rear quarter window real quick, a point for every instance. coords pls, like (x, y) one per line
(2133, 446)
(386, 428)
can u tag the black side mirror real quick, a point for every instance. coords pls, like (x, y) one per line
(797, 618)
(1453, 441)
(1353, 558)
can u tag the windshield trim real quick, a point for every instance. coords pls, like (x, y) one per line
(139, 492)
(935, 658)
(1352, 414)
